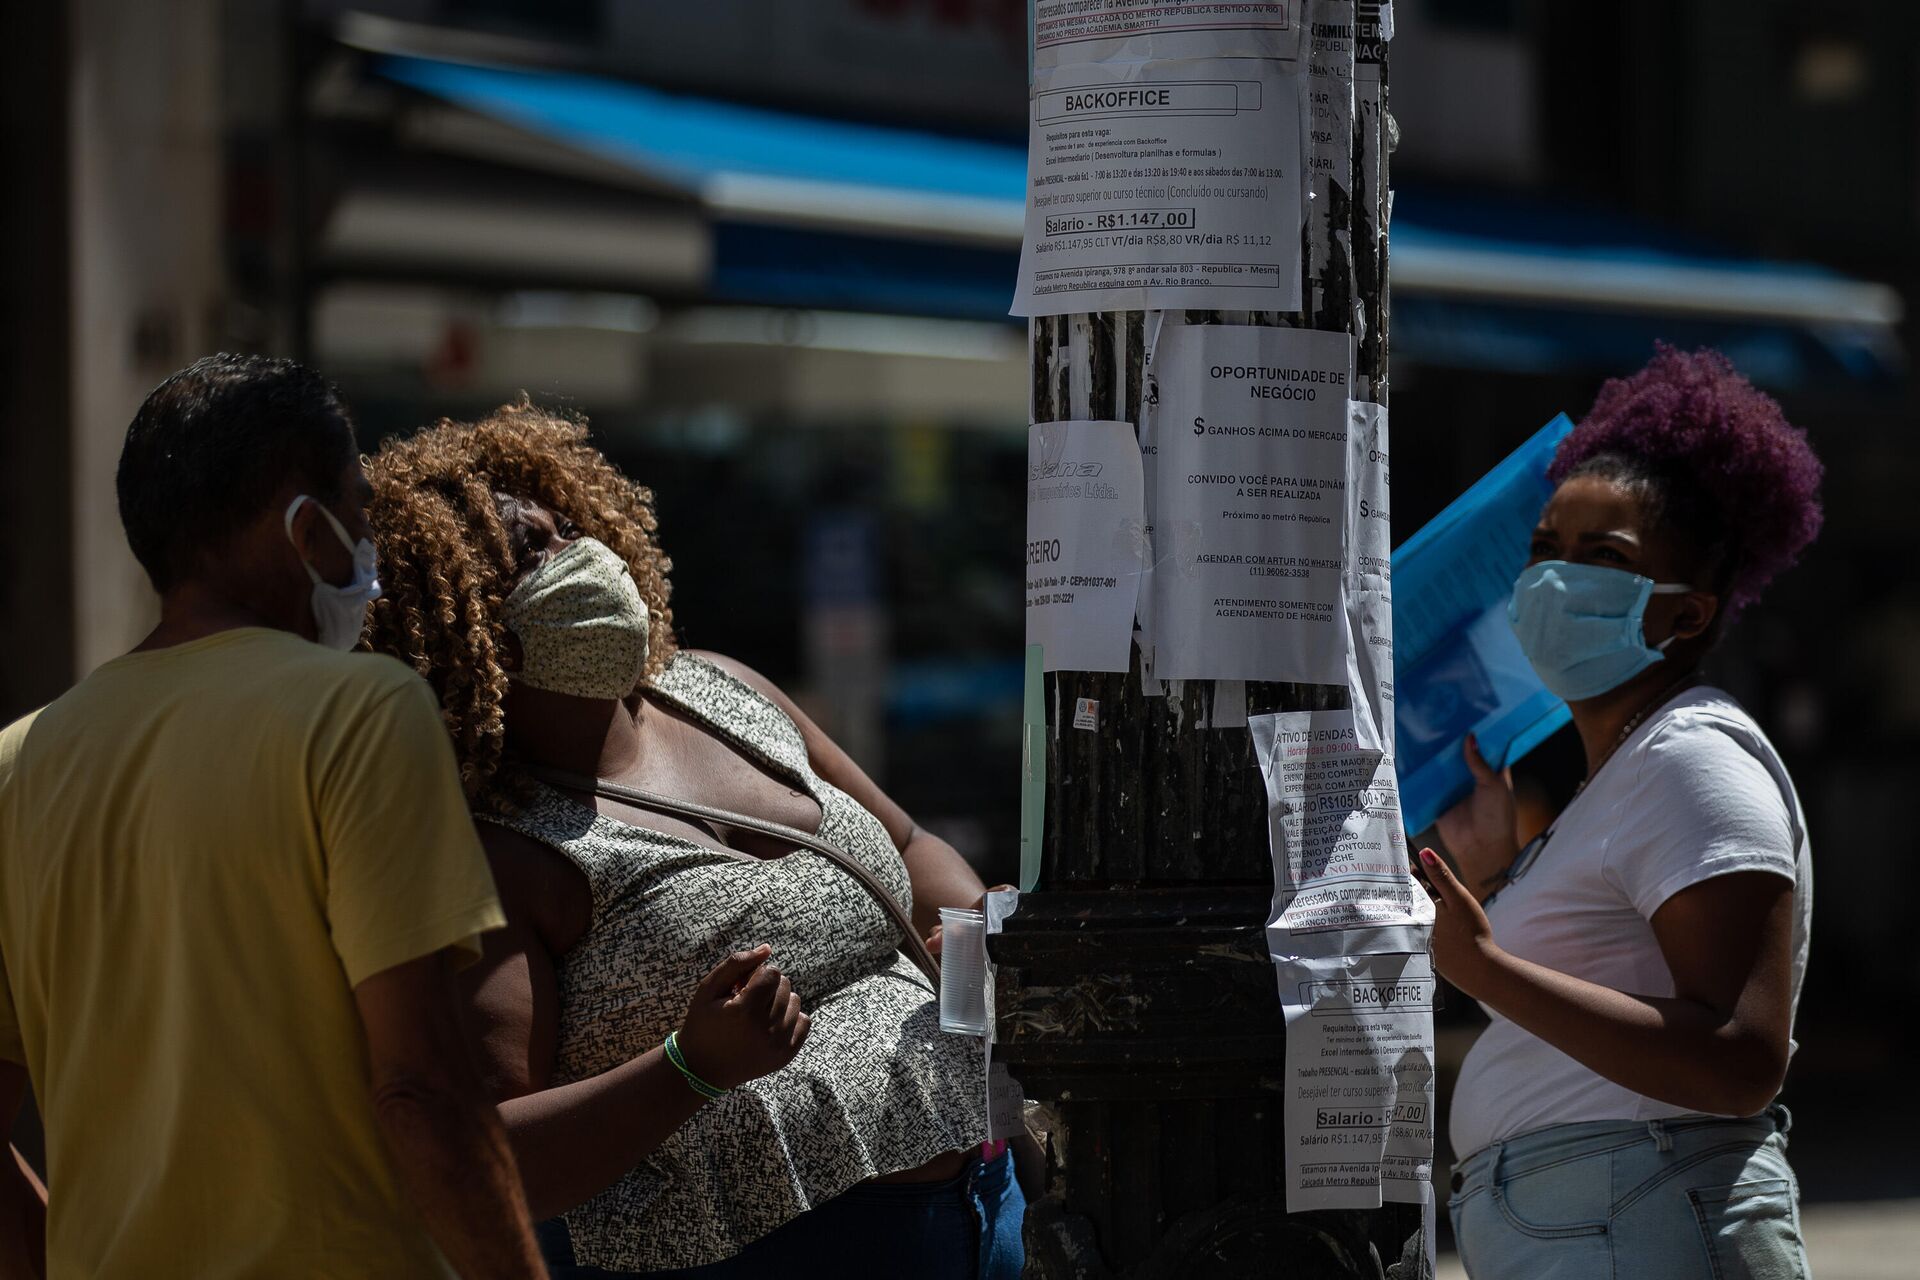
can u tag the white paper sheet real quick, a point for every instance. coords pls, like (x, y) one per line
(1370, 529)
(1370, 666)
(1341, 883)
(1162, 184)
(1086, 543)
(1359, 1100)
(1250, 439)
(1066, 32)
(1370, 574)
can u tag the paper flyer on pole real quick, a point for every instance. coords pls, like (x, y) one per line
(1164, 157)
(1369, 506)
(1086, 543)
(1359, 1103)
(1163, 185)
(1066, 32)
(1248, 504)
(1341, 883)
(1370, 573)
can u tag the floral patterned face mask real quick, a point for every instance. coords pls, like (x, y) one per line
(581, 622)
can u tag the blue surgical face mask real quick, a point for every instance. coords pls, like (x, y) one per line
(1582, 626)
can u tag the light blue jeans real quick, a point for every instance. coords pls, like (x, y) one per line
(1659, 1200)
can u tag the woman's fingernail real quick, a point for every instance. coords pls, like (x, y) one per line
(1429, 856)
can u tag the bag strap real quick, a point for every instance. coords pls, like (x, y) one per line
(913, 945)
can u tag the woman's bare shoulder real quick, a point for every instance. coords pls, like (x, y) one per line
(538, 884)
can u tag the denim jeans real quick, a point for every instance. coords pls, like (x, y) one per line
(966, 1228)
(1659, 1200)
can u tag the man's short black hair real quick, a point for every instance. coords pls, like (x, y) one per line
(212, 446)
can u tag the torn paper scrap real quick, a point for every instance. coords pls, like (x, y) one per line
(1086, 543)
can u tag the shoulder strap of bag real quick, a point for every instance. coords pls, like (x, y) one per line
(913, 945)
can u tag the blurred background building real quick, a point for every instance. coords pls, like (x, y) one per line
(767, 246)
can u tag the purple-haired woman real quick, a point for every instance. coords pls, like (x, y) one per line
(1642, 958)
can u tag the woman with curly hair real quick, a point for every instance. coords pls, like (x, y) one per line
(522, 579)
(1640, 960)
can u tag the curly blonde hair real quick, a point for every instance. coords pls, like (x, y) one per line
(447, 563)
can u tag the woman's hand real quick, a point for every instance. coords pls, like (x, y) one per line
(1464, 951)
(743, 1022)
(574, 1140)
(937, 935)
(1479, 830)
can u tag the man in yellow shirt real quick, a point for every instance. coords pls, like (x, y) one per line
(236, 872)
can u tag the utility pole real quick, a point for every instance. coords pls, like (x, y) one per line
(1135, 997)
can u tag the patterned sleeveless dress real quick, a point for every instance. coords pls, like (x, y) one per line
(877, 1088)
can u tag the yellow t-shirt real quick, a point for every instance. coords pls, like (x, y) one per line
(202, 850)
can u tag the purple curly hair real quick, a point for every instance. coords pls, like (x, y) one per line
(1716, 460)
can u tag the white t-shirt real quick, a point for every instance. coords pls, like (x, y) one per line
(1696, 792)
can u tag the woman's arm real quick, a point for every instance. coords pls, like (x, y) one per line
(23, 1201)
(574, 1141)
(1717, 1045)
(940, 876)
(1479, 830)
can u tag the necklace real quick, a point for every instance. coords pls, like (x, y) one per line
(1524, 860)
(1639, 717)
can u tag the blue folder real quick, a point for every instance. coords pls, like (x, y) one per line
(1457, 668)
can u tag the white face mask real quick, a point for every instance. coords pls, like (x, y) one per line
(340, 612)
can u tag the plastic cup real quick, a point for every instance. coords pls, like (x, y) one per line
(963, 971)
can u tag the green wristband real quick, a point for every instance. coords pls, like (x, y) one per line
(694, 1082)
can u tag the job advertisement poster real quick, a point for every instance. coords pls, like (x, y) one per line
(1249, 479)
(1341, 884)
(1369, 491)
(1359, 1100)
(1066, 32)
(1370, 572)
(1163, 184)
(1086, 543)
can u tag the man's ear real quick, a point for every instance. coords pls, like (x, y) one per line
(302, 529)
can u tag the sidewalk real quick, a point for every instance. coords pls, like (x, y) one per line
(1874, 1240)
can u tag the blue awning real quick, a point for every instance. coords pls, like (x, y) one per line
(750, 162)
(830, 213)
